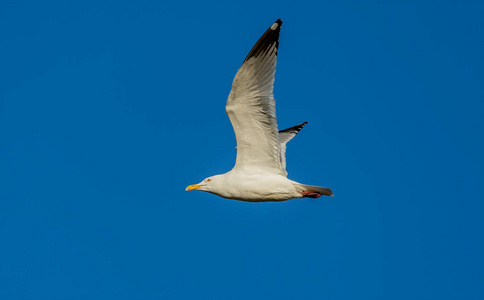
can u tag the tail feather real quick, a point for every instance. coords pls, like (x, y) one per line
(316, 191)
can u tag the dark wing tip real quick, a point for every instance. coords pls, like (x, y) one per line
(270, 37)
(278, 22)
(294, 129)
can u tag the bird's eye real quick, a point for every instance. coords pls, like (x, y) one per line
(208, 180)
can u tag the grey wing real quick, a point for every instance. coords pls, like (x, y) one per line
(285, 136)
(252, 110)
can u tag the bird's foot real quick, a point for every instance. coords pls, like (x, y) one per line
(309, 194)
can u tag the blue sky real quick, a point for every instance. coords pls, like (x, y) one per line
(109, 109)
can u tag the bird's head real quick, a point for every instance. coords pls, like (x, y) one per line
(209, 184)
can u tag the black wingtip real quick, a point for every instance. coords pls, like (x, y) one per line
(295, 129)
(270, 37)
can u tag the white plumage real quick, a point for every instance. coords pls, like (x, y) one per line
(259, 173)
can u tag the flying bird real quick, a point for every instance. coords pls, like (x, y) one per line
(259, 173)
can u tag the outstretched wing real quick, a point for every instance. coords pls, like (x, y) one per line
(252, 109)
(285, 136)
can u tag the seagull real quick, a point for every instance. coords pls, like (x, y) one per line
(259, 174)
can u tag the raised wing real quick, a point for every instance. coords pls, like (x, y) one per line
(285, 136)
(252, 109)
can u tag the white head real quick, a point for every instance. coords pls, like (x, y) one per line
(209, 184)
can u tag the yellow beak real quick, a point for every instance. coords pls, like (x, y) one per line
(193, 187)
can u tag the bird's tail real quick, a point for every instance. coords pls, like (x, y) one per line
(315, 191)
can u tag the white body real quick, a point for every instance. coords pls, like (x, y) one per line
(254, 187)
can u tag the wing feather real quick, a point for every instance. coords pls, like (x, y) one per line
(285, 136)
(252, 110)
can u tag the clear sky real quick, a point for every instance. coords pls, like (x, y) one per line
(109, 109)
